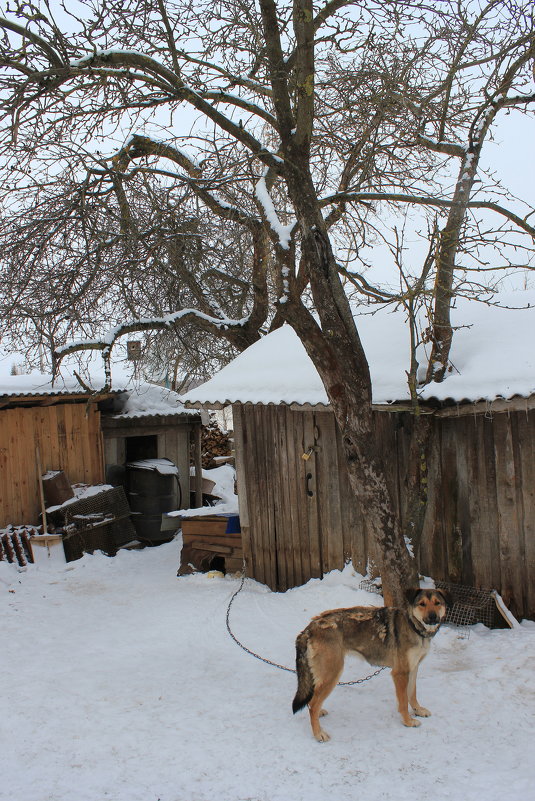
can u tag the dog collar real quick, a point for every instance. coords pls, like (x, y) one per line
(422, 632)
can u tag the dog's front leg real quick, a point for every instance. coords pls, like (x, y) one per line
(401, 683)
(419, 710)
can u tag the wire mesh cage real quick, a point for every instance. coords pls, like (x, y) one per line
(469, 605)
(371, 585)
(98, 522)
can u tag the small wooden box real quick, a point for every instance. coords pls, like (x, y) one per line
(206, 538)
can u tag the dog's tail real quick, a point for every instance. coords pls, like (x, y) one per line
(305, 679)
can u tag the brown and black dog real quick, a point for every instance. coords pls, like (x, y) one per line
(396, 638)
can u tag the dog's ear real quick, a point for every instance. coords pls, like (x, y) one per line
(448, 600)
(411, 594)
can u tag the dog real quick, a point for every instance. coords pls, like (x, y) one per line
(384, 636)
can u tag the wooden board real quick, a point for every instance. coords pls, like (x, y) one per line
(69, 439)
(229, 540)
(207, 527)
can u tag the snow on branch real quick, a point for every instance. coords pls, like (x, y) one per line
(283, 232)
(179, 89)
(167, 322)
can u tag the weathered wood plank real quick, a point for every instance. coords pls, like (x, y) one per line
(5, 483)
(354, 532)
(430, 560)
(25, 470)
(452, 534)
(481, 479)
(480, 517)
(329, 500)
(464, 439)
(275, 448)
(302, 537)
(21, 429)
(266, 517)
(255, 503)
(524, 445)
(243, 489)
(491, 478)
(508, 523)
(295, 499)
(311, 493)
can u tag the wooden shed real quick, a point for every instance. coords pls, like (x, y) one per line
(150, 423)
(64, 424)
(90, 437)
(298, 516)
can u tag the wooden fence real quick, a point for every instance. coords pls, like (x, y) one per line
(299, 519)
(69, 439)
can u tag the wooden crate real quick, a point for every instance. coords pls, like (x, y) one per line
(210, 541)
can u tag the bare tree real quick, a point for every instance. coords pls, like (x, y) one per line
(314, 120)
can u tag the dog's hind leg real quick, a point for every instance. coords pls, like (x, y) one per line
(316, 711)
(326, 674)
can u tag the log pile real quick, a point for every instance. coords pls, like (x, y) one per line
(216, 446)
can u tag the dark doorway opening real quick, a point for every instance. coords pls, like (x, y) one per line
(141, 448)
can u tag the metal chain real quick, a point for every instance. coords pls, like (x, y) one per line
(276, 664)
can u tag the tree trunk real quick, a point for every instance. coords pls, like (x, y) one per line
(442, 333)
(337, 353)
(416, 483)
(334, 344)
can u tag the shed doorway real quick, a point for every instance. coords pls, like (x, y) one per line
(145, 447)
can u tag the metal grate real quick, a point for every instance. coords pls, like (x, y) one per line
(99, 522)
(469, 605)
(371, 585)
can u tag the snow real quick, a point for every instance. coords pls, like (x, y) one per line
(492, 356)
(284, 232)
(162, 466)
(224, 477)
(36, 383)
(81, 492)
(140, 398)
(150, 399)
(122, 683)
(276, 369)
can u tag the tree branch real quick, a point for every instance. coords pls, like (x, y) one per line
(422, 200)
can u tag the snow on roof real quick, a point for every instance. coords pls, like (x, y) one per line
(493, 356)
(37, 384)
(141, 399)
(145, 400)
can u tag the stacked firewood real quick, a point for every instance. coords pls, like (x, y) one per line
(216, 446)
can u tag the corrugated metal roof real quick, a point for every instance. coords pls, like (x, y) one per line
(141, 400)
(39, 385)
(493, 357)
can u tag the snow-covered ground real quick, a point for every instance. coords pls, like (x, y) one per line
(120, 682)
